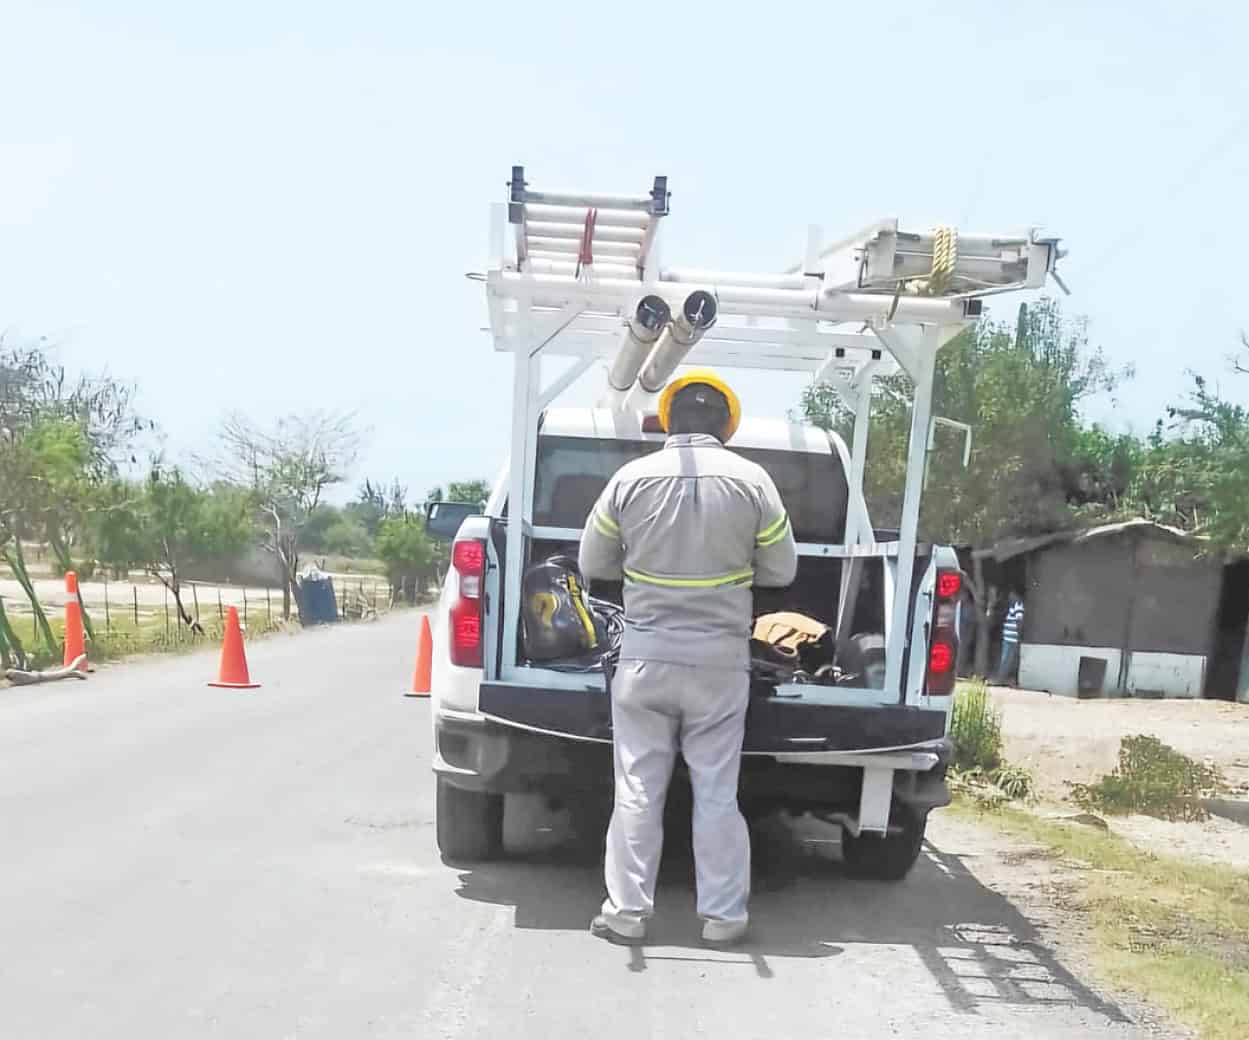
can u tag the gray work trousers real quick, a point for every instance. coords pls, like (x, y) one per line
(657, 709)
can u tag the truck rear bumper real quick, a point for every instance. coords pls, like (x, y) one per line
(528, 753)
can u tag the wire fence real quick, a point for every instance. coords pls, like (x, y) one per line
(145, 618)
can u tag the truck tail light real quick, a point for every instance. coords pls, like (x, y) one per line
(468, 561)
(943, 645)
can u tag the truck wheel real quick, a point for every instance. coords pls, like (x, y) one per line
(885, 857)
(470, 824)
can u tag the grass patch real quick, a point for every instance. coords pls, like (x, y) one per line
(976, 728)
(354, 565)
(978, 768)
(1173, 931)
(150, 636)
(1151, 778)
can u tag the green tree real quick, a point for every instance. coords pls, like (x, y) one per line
(1102, 470)
(468, 491)
(1196, 474)
(60, 438)
(1020, 388)
(473, 491)
(347, 536)
(406, 550)
(375, 502)
(44, 476)
(166, 522)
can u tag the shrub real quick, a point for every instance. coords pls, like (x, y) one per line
(1016, 782)
(1151, 778)
(976, 729)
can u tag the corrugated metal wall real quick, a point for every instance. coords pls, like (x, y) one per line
(1078, 594)
(1142, 594)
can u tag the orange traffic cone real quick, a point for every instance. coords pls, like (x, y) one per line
(233, 672)
(75, 640)
(424, 661)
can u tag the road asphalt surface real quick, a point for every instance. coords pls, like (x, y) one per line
(180, 861)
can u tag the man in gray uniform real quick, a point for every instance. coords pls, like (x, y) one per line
(689, 529)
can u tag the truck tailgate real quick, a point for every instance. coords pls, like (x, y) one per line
(773, 724)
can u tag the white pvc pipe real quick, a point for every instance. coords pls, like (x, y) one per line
(697, 315)
(602, 232)
(555, 291)
(576, 215)
(650, 318)
(732, 278)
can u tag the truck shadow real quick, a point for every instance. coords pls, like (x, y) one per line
(978, 947)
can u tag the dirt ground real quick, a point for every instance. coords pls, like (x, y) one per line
(1063, 741)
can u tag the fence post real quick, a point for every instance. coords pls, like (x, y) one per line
(108, 624)
(221, 611)
(244, 606)
(135, 590)
(195, 596)
(269, 602)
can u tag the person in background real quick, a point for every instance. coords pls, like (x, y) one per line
(1012, 630)
(965, 624)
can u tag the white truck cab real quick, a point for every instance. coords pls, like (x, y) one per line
(868, 750)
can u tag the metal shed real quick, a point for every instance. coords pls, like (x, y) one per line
(1134, 608)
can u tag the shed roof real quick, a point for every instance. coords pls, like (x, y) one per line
(1012, 547)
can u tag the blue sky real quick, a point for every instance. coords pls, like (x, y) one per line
(271, 206)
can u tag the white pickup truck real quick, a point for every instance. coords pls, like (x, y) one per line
(808, 747)
(581, 284)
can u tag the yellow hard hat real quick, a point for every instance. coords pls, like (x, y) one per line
(709, 378)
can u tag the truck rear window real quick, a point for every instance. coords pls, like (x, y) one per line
(572, 472)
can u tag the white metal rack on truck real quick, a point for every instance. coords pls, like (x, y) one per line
(583, 282)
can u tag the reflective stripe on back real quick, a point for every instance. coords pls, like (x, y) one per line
(737, 578)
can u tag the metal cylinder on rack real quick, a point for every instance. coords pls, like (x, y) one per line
(698, 314)
(650, 318)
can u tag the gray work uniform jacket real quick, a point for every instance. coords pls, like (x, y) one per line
(689, 529)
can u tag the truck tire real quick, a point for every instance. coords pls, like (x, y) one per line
(469, 823)
(885, 857)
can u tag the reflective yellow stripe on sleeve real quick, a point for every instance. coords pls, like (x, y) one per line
(774, 532)
(606, 525)
(736, 578)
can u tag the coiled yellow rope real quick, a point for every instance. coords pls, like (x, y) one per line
(944, 257)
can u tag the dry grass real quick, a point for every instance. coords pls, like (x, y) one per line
(122, 638)
(1172, 931)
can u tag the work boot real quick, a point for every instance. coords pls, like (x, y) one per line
(618, 932)
(723, 933)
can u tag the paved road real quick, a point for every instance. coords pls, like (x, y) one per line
(179, 861)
